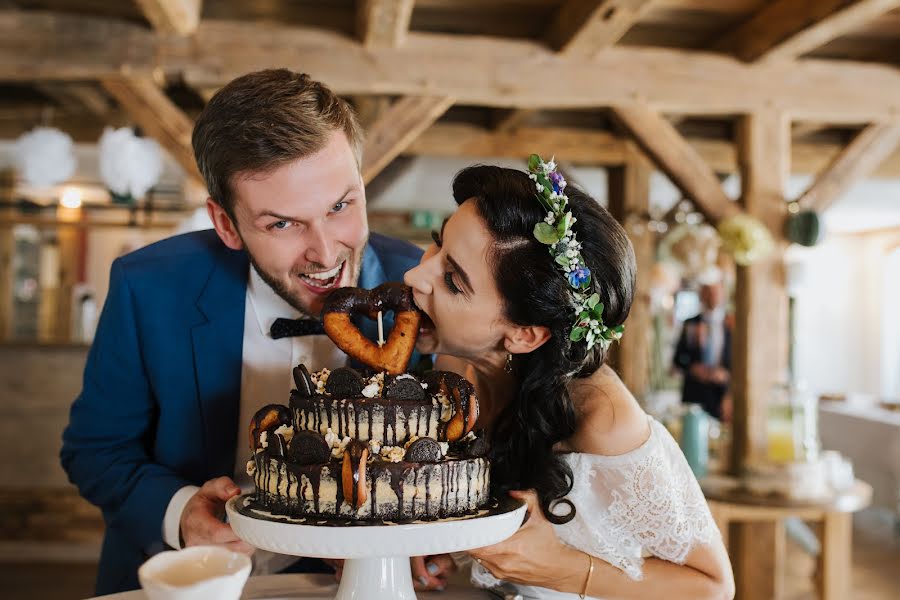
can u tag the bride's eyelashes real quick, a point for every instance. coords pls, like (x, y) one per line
(448, 279)
(448, 275)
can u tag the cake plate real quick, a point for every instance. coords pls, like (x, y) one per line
(377, 556)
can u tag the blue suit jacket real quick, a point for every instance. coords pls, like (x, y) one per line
(160, 400)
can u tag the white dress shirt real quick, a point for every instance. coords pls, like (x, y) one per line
(715, 331)
(266, 378)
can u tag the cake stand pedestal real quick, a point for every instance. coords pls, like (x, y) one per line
(377, 556)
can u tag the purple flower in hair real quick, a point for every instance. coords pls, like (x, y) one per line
(579, 276)
(556, 179)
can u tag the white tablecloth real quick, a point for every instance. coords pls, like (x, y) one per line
(870, 437)
(311, 587)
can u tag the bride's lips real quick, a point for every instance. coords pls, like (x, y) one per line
(426, 325)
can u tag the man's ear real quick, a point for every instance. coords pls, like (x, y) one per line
(225, 227)
(522, 340)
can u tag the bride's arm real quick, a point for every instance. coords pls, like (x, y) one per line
(706, 574)
(536, 556)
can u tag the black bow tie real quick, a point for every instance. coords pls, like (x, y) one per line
(293, 327)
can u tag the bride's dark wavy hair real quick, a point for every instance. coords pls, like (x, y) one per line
(536, 292)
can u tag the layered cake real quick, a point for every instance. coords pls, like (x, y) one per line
(375, 445)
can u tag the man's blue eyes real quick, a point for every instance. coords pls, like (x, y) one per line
(338, 207)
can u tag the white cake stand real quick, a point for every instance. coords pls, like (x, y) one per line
(377, 556)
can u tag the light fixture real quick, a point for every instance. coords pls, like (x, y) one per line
(71, 198)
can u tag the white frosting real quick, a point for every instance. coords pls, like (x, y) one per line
(446, 406)
(287, 432)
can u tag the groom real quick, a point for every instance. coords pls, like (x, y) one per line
(186, 352)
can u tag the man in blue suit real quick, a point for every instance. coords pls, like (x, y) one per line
(193, 337)
(703, 353)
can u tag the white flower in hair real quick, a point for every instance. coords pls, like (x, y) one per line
(556, 232)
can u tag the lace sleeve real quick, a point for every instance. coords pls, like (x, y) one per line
(645, 502)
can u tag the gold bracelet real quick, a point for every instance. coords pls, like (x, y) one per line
(587, 581)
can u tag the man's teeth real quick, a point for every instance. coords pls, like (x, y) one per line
(325, 274)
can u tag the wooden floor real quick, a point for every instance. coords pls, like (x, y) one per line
(876, 571)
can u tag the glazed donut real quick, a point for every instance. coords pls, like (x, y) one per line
(269, 417)
(462, 395)
(394, 355)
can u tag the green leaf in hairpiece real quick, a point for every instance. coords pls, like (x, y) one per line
(534, 162)
(545, 233)
(578, 334)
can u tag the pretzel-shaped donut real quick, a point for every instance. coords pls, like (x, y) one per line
(394, 355)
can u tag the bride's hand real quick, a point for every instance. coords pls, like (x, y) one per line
(431, 572)
(534, 555)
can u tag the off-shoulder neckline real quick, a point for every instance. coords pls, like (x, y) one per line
(634, 454)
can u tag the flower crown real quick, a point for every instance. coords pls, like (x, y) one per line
(556, 231)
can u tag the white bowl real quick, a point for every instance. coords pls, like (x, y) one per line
(195, 573)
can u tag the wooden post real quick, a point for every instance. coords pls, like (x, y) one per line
(629, 200)
(7, 250)
(834, 572)
(760, 339)
(759, 343)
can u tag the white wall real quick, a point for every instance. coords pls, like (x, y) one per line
(844, 324)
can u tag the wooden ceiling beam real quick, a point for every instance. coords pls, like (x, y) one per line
(45, 45)
(856, 162)
(675, 157)
(180, 17)
(490, 72)
(582, 28)
(507, 120)
(153, 111)
(787, 29)
(601, 148)
(370, 108)
(397, 128)
(383, 23)
(85, 95)
(586, 27)
(500, 73)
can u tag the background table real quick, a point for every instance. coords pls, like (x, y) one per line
(742, 516)
(312, 587)
(868, 435)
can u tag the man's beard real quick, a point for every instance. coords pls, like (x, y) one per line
(279, 288)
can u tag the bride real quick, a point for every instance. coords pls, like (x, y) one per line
(527, 285)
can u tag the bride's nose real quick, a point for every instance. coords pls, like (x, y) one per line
(420, 277)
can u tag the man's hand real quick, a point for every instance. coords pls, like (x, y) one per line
(431, 572)
(201, 519)
(700, 372)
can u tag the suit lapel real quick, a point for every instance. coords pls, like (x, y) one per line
(218, 346)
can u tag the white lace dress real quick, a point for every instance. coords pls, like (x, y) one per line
(643, 503)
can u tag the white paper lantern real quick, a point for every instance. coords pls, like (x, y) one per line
(129, 165)
(45, 156)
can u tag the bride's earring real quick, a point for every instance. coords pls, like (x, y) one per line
(508, 366)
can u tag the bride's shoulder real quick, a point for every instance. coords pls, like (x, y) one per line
(610, 422)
